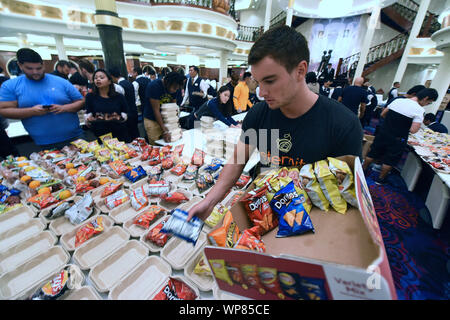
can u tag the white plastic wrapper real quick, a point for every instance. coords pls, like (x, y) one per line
(81, 210)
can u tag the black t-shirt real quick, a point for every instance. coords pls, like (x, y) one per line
(328, 129)
(156, 90)
(97, 104)
(353, 96)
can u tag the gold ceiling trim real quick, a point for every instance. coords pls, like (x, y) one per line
(50, 12)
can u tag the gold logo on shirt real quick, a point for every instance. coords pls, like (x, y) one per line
(285, 144)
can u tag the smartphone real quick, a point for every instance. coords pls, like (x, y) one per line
(47, 106)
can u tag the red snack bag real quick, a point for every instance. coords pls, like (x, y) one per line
(178, 150)
(269, 278)
(111, 188)
(234, 270)
(146, 153)
(176, 290)
(243, 180)
(119, 167)
(251, 240)
(166, 149)
(167, 163)
(83, 187)
(146, 218)
(198, 157)
(156, 236)
(179, 169)
(155, 157)
(89, 230)
(236, 198)
(174, 197)
(251, 277)
(259, 210)
(42, 201)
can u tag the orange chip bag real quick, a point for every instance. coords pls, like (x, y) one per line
(42, 201)
(227, 235)
(251, 240)
(119, 167)
(88, 231)
(259, 211)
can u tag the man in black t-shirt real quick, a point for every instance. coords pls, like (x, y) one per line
(355, 97)
(293, 125)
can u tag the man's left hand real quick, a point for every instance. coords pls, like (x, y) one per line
(57, 108)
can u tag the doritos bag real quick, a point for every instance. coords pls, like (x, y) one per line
(88, 231)
(292, 215)
(259, 210)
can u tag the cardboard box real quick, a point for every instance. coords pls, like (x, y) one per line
(346, 253)
(367, 142)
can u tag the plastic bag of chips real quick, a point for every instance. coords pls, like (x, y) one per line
(292, 215)
(119, 167)
(312, 187)
(269, 278)
(42, 201)
(157, 188)
(174, 197)
(166, 150)
(198, 157)
(156, 236)
(139, 199)
(69, 278)
(154, 173)
(219, 268)
(59, 210)
(178, 150)
(111, 188)
(227, 235)
(179, 169)
(176, 290)
(146, 153)
(167, 163)
(250, 239)
(81, 210)
(155, 156)
(136, 174)
(204, 181)
(88, 231)
(328, 184)
(178, 226)
(216, 215)
(243, 180)
(215, 165)
(116, 199)
(151, 214)
(344, 178)
(191, 173)
(202, 268)
(259, 210)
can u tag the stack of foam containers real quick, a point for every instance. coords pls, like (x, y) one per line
(169, 113)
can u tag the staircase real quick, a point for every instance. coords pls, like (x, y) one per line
(400, 16)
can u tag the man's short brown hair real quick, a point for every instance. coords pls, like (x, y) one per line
(87, 65)
(283, 44)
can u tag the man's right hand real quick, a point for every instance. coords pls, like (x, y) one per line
(202, 210)
(39, 110)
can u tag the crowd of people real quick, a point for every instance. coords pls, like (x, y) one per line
(48, 104)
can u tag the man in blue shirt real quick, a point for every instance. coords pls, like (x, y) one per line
(430, 121)
(46, 104)
(354, 97)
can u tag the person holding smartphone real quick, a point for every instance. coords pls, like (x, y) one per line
(46, 104)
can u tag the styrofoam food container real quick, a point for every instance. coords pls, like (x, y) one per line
(153, 247)
(203, 282)
(84, 293)
(141, 283)
(177, 252)
(207, 119)
(22, 232)
(137, 231)
(26, 250)
(169, 106)
(108, 272)
(67, 240)
(124, 212)
(22, 281)
(15, 217)
(223, 295)
(88, 255)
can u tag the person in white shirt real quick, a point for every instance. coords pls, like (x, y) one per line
(402, 116)
(140, 83)
(196, 89)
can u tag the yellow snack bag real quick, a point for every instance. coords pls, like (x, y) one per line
(312, 187)
(216, 215)
(93, 146)
(344, 177)
(220, 270)
(106, 137)
(328, 184)
(103, 154)
(80, 143)
(202, 268)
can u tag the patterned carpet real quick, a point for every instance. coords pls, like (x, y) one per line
(418, 254)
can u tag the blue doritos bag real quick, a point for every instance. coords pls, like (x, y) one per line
(292, 215)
